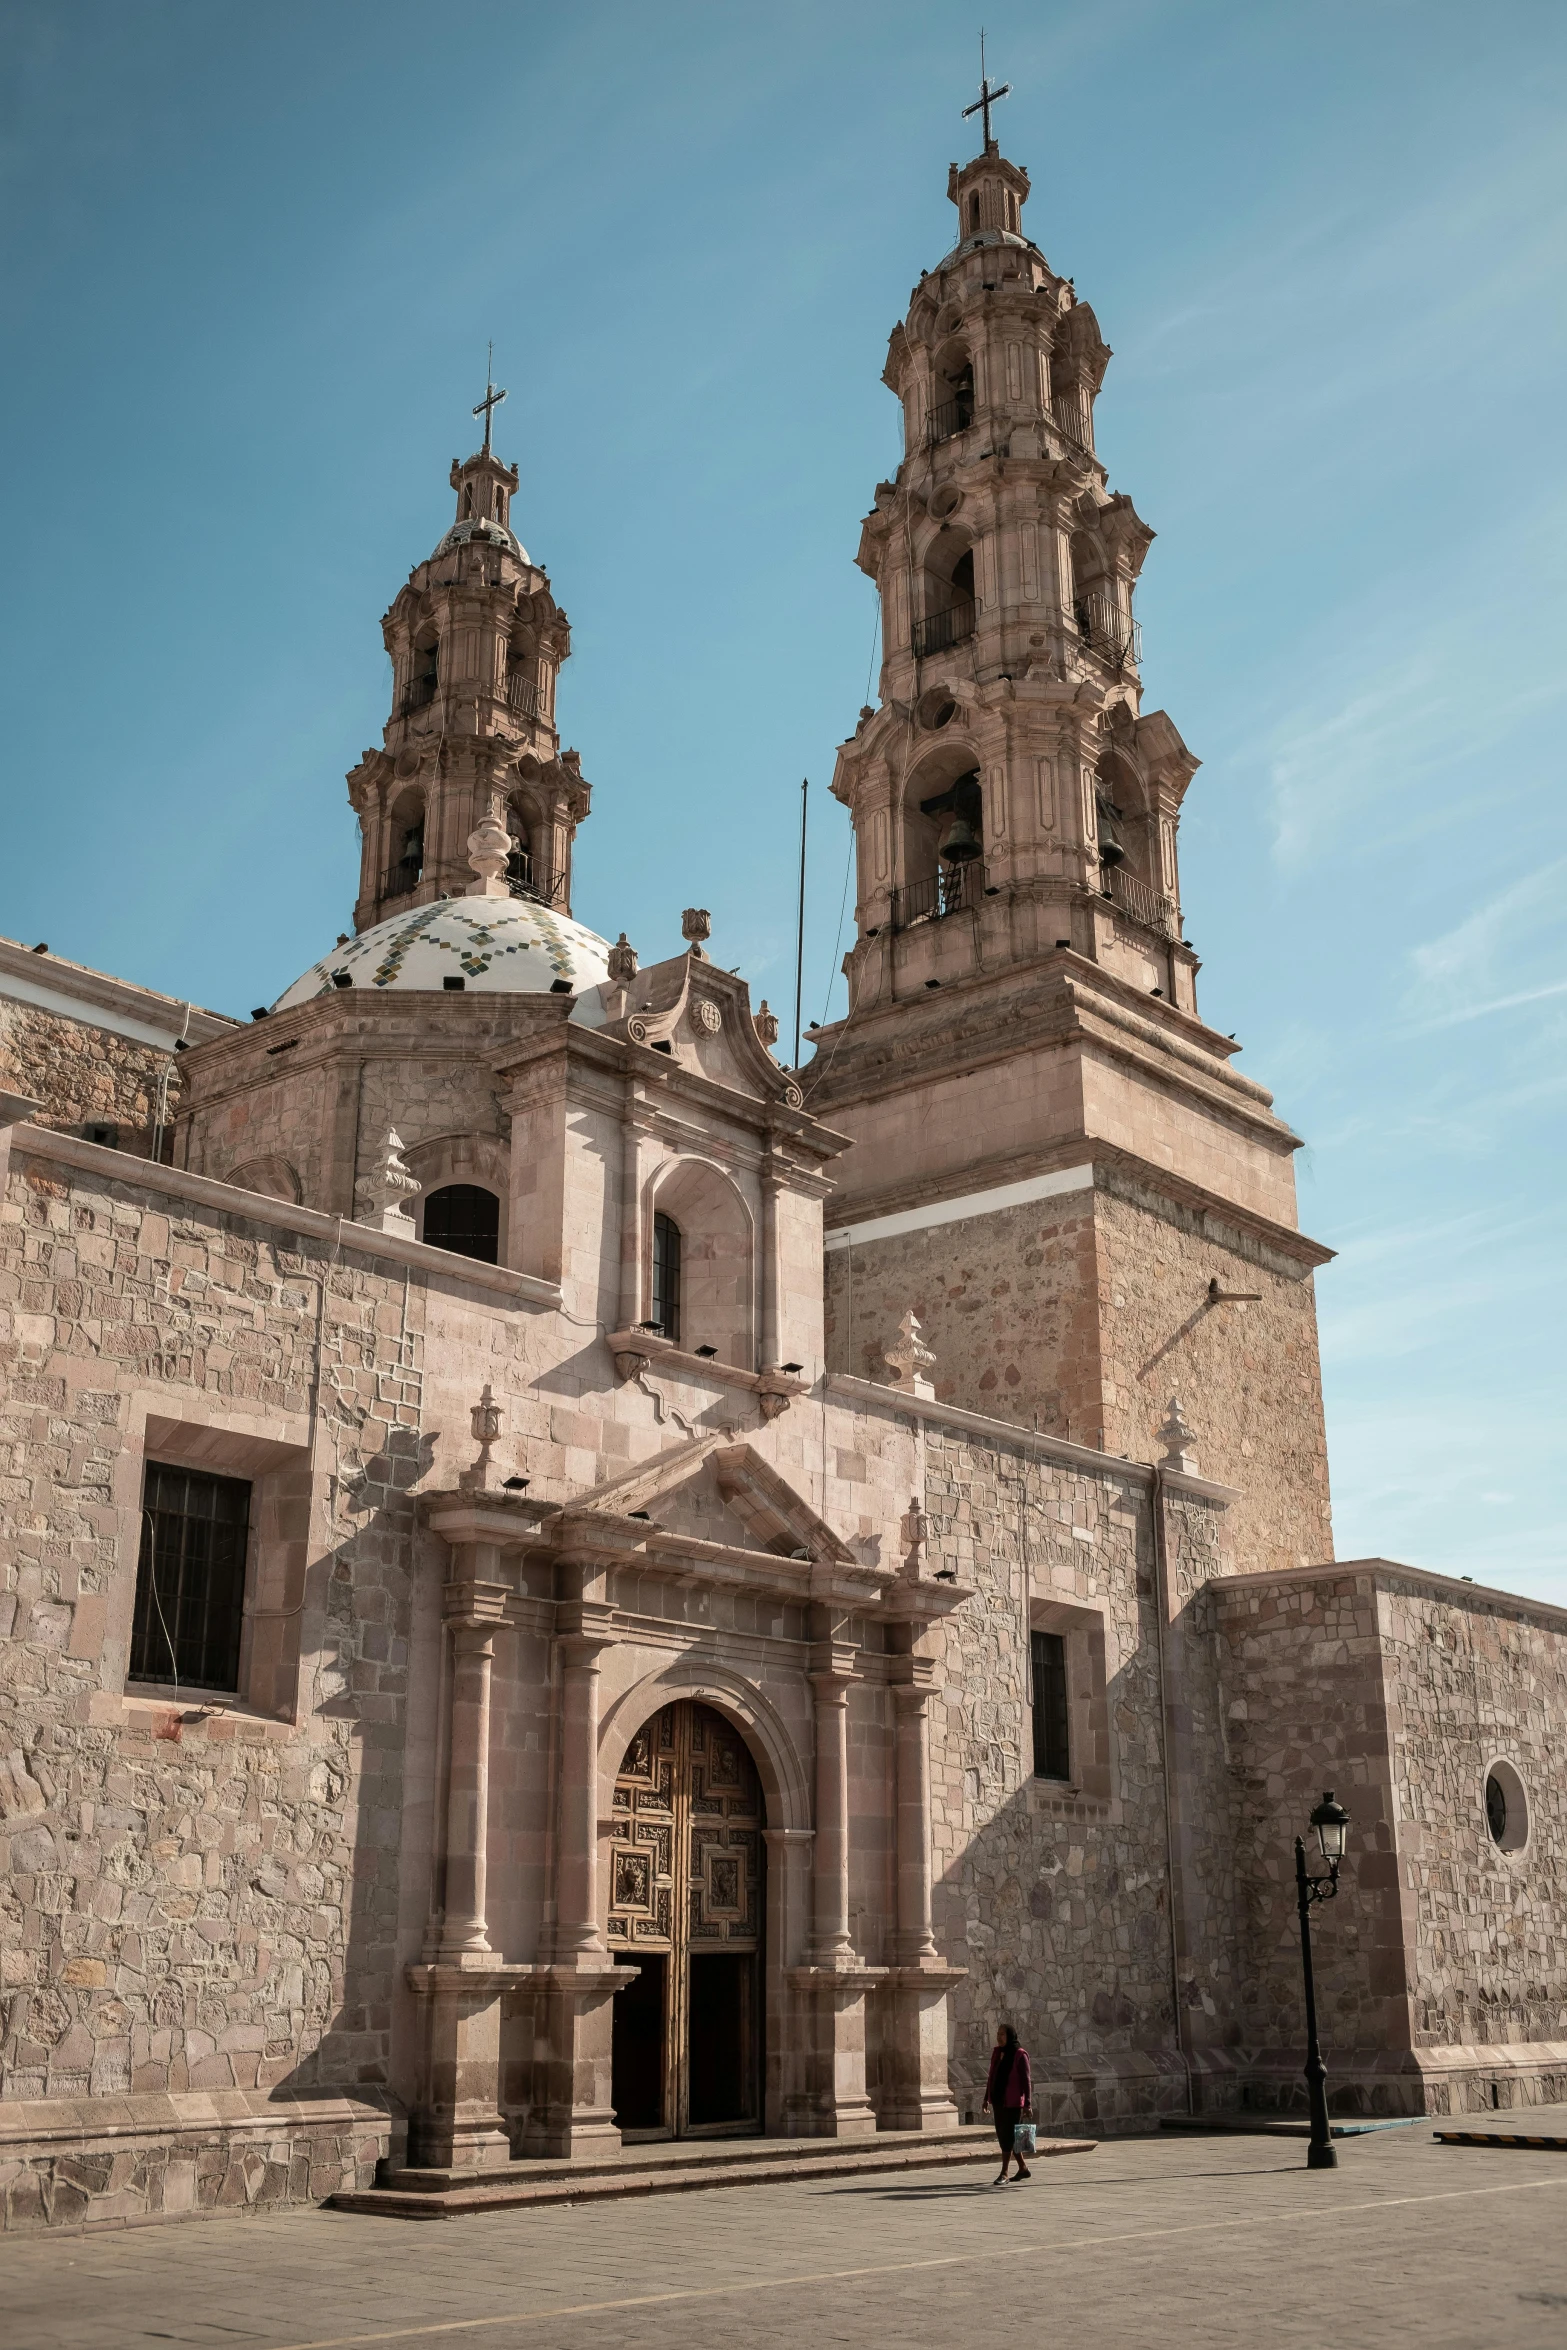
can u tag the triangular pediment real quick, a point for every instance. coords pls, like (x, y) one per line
(718, 1488)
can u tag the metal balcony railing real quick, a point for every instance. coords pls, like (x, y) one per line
(1070, 418)
(1143, 904)
(1106, 630)
(522, 694)
(943, 423)
(522, 881)
(421, 691)
(953, 890)
(400, 878)
(938, 630)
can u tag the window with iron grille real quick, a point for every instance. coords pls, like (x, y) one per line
(190, 1579)
(1052, 1739)
(466, 1219)
(666, 1276)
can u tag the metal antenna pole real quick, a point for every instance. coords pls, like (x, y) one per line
(799, 947)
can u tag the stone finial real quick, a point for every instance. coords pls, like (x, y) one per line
(387, 1193)
(489, 852)
(1178, 1441)
(696, 923)
(766, 1024)
(622, 961)
(909, 1358)
(485, 1421)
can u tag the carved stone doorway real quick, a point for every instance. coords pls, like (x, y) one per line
(685, 1906)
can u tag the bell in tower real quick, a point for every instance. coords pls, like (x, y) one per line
(476, 641)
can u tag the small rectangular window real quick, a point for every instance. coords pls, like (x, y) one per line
(190, 1579)
(1052, 1740)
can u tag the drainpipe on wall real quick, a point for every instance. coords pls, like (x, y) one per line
(1161, 1612)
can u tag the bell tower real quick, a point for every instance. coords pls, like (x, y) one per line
(476, 641)
(1054, 1164)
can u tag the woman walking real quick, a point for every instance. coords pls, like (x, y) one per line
(1009, 2094)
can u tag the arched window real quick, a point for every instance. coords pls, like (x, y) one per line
(467, 500)
(666, 1277)
(425, 675)
(500, 503)
(973, 211)
(466, 1219)
(519, 865)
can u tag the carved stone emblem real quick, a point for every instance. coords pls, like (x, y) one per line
(707, 1015)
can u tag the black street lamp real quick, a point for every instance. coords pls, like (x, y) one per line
(1331, 1822)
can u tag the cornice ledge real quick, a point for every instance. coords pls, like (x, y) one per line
(1387, 1574)
(898, 1401)
(68, 1150)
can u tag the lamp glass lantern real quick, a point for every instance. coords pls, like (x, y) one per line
(1331, 1822)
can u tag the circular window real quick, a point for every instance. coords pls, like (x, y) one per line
(1506, 1808)
(936, 709)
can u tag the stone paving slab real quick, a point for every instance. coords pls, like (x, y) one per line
(1182, 2243)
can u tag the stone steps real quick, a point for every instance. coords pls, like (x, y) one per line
(675, 2170)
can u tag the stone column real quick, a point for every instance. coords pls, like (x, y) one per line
(919, 2096)
(916, 1941)
(457, 2123)
(464, 1926)
(832, 1990)
(575, 2032)
(830, 1941)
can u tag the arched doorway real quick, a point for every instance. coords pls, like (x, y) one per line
(686, 1907)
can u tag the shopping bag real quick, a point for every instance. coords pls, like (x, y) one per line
(1023, 2138)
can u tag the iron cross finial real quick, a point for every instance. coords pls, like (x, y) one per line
(989, 94)
(492, 398)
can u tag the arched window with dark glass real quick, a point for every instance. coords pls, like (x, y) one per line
(666, 1277)
(466, 1219)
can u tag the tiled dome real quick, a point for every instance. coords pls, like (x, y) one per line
(502, 946)
(487, 532)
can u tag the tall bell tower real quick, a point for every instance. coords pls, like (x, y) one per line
(476, 641)
(1054, 1163)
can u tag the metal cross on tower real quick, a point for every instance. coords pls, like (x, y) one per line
(492, 398)
(989, 95)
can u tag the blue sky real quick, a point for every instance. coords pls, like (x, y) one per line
(251, 260)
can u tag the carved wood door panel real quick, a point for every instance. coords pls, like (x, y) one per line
(685, 1904)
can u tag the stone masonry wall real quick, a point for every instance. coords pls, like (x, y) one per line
(1009, 1303)
(193, 1907)
(1474, 1681)
(1306, 1709)
(1090, 1309)
(1248, 1375)
(81, 1074)
(1055, 1898)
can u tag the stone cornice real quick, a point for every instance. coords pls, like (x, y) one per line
(898, 1403)
(254, 1207)
(988, 1174)
(75, 992)
(1391, 1574)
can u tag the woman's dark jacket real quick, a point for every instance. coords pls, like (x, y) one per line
(1017, 2088)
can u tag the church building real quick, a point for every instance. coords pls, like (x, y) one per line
(565, 1583)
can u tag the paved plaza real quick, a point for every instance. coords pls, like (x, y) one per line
(1173, 2241)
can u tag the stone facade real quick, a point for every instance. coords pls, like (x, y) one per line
(666, 1435)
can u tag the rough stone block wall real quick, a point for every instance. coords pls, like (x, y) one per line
(1055, 1900)
(193, 1904)
(82, 1074)
(1306, 1709)
(1248, 1375)
(1472, 1683)
(1008, 1302)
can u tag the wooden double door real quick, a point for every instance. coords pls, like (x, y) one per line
(685, 1906)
